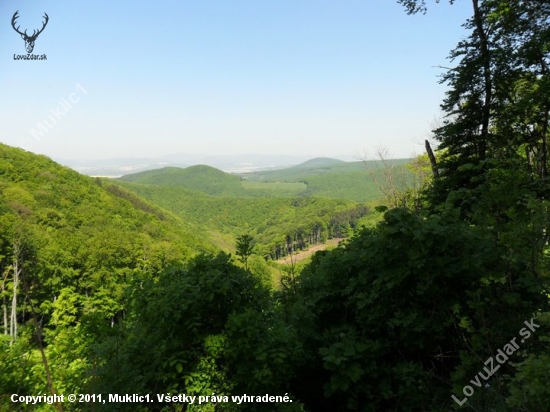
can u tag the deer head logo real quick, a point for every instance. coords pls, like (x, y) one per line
(29, 40)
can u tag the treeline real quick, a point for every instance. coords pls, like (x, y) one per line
(339, 225)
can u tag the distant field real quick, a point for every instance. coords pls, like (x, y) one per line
(275, 186)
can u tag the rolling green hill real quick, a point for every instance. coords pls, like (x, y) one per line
(202, 178)
(69, 247)
(331, 178)
(318, 199)
(320, 177)
(84, 232)
(316, 167)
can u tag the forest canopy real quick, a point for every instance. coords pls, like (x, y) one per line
(131, 287)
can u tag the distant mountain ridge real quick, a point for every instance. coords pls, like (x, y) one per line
(117, 167)
(319, 177)
(204, 178)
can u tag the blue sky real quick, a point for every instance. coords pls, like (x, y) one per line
(306, 77)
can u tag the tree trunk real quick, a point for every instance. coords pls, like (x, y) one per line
(5, 302)
(5, 311)
(13, 315)
(488, 86)
(433, 162)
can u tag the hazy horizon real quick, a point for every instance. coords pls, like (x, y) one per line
(142, 80)
(240, 163)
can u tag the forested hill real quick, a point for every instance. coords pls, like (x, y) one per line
(320, 177)
(281, 216)
(206, 179)
(69, 247)
(321, 166)
(331, 178)
(80, 232)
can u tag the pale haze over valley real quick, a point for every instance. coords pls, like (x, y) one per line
(145, 80)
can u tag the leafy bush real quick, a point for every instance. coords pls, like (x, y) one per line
(406, 310)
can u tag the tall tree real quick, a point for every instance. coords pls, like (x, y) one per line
(498, 103)
(245, 248)
(493, 159)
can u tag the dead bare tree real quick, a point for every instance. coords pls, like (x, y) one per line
(389, 178)
(401, 185)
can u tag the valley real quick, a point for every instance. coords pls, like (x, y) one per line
(182, 218)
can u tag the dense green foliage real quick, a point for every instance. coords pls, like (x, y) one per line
(205, 179)
(322, 178)
(331, 178)
(404, 313)
(278, 224)
(68, 246)
(498, 104)
(314, 167)
(224, 340)
(442, 305)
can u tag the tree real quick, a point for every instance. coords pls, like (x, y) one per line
(401, 185)
(493, 163)
(207, 327)
(498, 104)
(245, 248)
(408, 309)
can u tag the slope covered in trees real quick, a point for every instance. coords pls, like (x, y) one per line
(202, 178)
(314, 167)
(68, 245)
(443, 305)
(335, 179)
(322, 178)
(279, 225)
